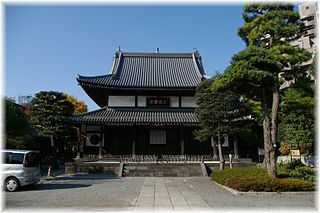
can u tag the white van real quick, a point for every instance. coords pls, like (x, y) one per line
(20, 168)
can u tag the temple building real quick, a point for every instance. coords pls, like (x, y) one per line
(147, 105)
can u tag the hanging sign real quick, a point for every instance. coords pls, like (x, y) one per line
(158, 102)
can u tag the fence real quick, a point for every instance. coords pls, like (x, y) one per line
(152, 158)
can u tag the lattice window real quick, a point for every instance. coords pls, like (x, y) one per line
(158, 137)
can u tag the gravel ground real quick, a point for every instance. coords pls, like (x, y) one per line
(91, 192)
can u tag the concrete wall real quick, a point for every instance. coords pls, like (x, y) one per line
(92, 167)
(306, 160)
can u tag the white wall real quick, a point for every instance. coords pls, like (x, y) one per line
(174, 101)
(129, 101)
(188, 101)
(119, 101)
(142, 101)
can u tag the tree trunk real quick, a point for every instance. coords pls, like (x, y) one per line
(220, 153)
(235, 147)
(214, 148)
(268, 145)
(274, 127)
(54, 161)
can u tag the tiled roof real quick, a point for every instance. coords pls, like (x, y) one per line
(138, 116)
(156, 70)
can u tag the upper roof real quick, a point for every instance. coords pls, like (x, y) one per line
(150, 70)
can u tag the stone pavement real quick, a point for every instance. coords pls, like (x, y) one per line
(83, 192)
(165, 193)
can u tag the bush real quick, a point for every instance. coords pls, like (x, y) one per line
(284, 148)
(257, 179)
(297, 170)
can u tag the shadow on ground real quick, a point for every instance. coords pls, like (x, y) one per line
(88, 177)
(53, 186)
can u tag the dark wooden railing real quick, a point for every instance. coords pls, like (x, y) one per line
(152, 158)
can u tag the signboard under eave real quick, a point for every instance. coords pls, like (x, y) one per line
(158, 102)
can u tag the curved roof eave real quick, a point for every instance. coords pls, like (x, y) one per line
(112, 87)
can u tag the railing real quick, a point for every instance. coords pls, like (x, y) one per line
(140, 158)
(186, 158)
(153, 158)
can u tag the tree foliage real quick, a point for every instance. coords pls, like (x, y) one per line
(297, 117)
(18, 133)
(17, 123)
(220, 112)
(254, 72)
(78, 106)
(49, 113)
(267, 20)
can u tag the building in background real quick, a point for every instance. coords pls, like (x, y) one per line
(309, 17)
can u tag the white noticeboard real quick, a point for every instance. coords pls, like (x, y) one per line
(260, 151)
(226, 140)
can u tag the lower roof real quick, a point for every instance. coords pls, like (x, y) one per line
(138, 116)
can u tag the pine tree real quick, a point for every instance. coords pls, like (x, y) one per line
(50, 111)
(255, 72)
(219, 113)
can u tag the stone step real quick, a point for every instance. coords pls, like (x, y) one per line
(162, 170)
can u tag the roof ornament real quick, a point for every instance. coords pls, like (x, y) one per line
(195, 50)
(119, 49)
(157, 51)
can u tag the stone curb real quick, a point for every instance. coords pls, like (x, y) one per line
(239, 193)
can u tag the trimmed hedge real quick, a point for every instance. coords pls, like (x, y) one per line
(257, 179)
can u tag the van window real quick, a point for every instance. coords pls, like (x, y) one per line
(32, 159)
(13, 158)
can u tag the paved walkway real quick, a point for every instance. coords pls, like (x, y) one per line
(165, 193)
(102, 192)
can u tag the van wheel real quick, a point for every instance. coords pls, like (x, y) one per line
(12, 184)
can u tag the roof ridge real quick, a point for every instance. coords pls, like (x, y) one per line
(162, 54)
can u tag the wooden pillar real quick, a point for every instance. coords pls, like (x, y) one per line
(133, 147)
(79, 142)
(83, 130)
(134, 141)
(214, 148)
(101, 142)
(182, 140)
(235, 147)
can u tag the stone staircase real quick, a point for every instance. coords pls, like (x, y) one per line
(163, 170)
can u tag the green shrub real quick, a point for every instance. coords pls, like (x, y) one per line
(222, 176)
(304, 173)
(257, 179)
(295, 170)
(294, 164)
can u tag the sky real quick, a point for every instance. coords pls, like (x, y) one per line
(47, 46)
